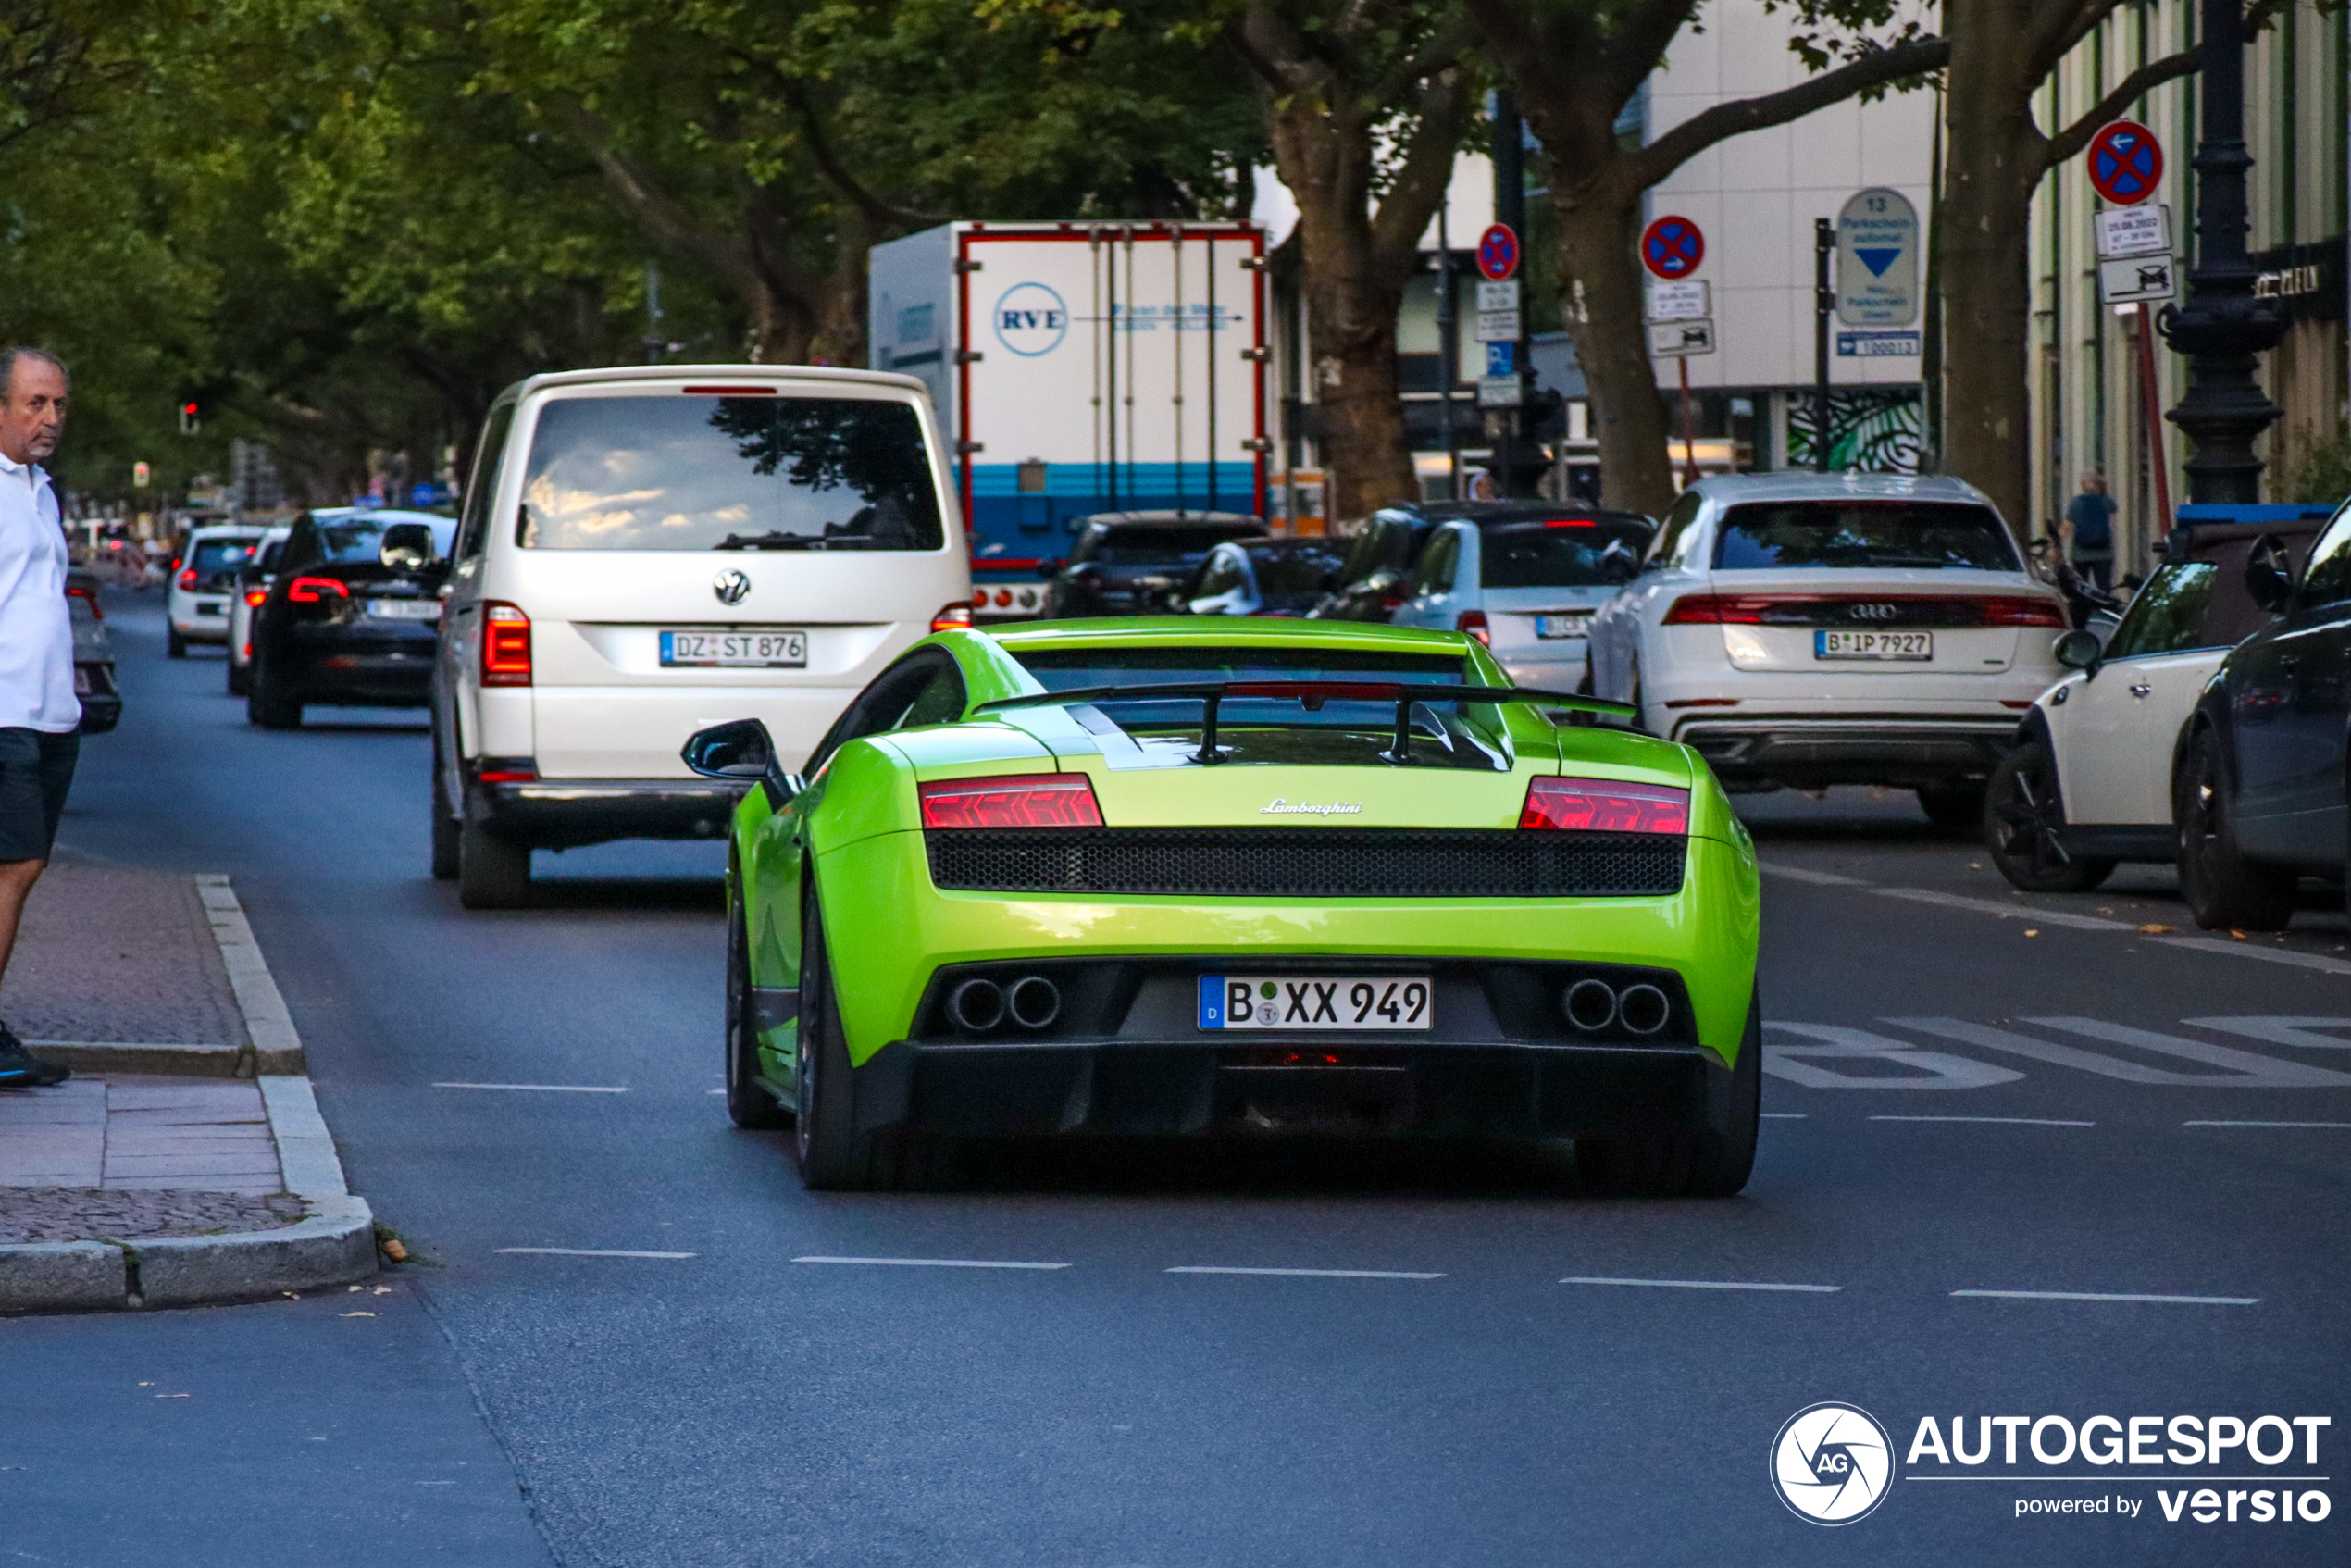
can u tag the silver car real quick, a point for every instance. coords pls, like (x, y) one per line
(94, 680)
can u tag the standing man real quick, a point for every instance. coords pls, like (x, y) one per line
(39, 713)
(2089, 532)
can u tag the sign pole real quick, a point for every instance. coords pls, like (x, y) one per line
(1690, 450)
(1823, 302)
(2156, 461)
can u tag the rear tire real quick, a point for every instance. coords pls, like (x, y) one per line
(2023, 818)
(492, 872)
(267, 706)
(174, 645)
(2223, 890)
(748, 1104)
(1954, 807)
(445, 851)
(832, 1154)
(1713, 1161)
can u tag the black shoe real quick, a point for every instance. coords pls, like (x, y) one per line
(21, 1068)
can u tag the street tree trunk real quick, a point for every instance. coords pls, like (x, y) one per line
(1601, 271)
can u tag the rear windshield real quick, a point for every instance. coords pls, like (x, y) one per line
(693, 472)
(1561, 554)
(1294, 574)
(1130, 547)
(359, 537)
(1275, 730)
(1864, 534)
(213, 555)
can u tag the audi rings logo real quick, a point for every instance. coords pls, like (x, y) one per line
(1832, 1463)
(732, 586)
(1872, 612)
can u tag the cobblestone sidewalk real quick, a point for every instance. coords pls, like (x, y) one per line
(113, 954)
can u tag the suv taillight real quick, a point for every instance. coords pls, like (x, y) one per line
(1011, 800)
(188, 577)
(1602, 805)
(505, 645)
(958, 615)
(1473, 622)
(315, 589)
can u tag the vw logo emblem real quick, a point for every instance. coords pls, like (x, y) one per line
(732, 586)
(1872, 612)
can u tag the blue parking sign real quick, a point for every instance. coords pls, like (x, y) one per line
(1501, 359)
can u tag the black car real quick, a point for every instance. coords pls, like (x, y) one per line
(2259, 790)
(1376, 579)
(354, 615)
(1129, 563)
(1262, 577)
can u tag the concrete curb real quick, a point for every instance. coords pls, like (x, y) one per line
(333, 1244)
(125, 1056)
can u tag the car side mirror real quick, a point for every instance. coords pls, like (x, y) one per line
(408, 547)
(2080, 650)
(740, 751)
(2268, 574)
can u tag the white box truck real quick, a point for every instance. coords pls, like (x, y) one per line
(1080, 368)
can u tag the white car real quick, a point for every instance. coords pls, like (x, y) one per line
(1813, 630)
(1524, 579)
(650, 551)
(203, 583)
(253, 587)
(2088, 782)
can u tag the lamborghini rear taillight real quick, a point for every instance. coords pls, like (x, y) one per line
(1602, 806)
(505, 645)
(1011, 800)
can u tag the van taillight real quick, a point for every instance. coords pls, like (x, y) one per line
(505, 646)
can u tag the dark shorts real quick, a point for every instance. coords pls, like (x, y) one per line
(36, 769)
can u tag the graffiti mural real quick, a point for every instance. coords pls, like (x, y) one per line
(1871, 429)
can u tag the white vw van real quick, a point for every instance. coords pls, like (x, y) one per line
(647, 551)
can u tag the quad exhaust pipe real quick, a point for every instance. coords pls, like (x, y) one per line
(1592, 1005)
(979, 1007)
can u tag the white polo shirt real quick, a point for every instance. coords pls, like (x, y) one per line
(37, 628)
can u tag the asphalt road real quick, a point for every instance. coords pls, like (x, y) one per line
(1972, 1092)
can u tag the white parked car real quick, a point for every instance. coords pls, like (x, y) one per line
(1811, 630)
(1524, 578)
(203, 583)
(253, 587)
(649, 551)
(2088, 782)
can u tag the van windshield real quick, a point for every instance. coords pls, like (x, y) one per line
(700, 472)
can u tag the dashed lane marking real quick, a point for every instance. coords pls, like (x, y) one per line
(2252, 950)
(1701, 1284)
(1783, 1115)
(2115, 1295)
(1823, 878)
(1304, 1273)
(930, 1263)
(2005, 911)
(2221, 1124)
(592, 1252)
(2005, 1121)
(545, 1088)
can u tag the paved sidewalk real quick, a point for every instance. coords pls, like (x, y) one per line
(184, 1162)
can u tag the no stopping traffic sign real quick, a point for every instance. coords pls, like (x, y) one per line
(2126, 162)
(1671, 248)
(1498, 252)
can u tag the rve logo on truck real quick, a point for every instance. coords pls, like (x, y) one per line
(1031, 320)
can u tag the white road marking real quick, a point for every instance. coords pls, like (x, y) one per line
(2265, 1072)
(2114, 1296)
(2006, 911)
(1922, 1068)
(2266, 1123)
(928, 1262)
(1798, 873)
(2116, 1066)
(1783, 1115)
(1305, 1272)
(2009, 1121)
(592, 1252)
(1700, 1284)
(2254, 950)
(2306, 1033)
(545, 1088)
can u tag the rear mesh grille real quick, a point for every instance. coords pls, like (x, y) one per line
(1308, 862)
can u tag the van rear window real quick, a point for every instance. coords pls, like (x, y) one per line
(680, 471)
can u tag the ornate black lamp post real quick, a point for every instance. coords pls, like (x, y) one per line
(2223, 325)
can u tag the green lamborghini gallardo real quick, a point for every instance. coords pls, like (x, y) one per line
(1168, 877)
